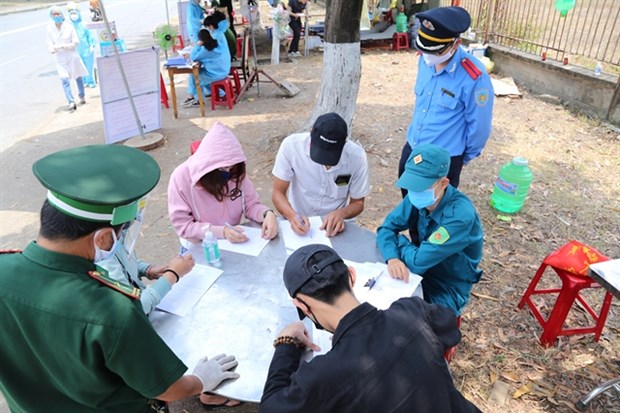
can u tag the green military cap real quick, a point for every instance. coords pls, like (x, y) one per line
(101, 183)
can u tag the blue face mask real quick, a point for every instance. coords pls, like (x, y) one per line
(58, 19)
(225, 175)
(422, 199)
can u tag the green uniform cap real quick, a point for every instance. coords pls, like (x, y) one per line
(101, 183)
(426, 164)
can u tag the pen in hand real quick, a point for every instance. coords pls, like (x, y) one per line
(227, 225)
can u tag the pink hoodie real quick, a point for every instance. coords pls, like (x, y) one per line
(191, 207)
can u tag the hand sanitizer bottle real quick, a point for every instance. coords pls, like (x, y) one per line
(211, 248)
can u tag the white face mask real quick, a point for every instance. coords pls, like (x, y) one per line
(74, 17)
(101, 254)
(433, 59)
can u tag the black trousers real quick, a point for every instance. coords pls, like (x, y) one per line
(295, 25)
(454, 174)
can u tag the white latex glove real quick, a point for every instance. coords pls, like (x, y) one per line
(212, 372)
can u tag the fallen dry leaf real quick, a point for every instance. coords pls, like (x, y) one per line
(510, 376)
(526, 388)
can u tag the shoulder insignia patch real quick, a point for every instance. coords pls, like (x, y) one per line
(471, 69)
(481, 96)
(102, 275)
(417, 159)
(440, 236)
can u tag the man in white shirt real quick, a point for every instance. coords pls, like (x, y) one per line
(324, 174)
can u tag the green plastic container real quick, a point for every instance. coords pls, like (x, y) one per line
(401, 23)
(512, 186)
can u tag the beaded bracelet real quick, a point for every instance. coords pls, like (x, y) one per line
(173, 272)
(287, 340)
(265, 213)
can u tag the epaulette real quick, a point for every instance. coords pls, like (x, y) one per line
(103, 276)
(10, 251)
(471, 69)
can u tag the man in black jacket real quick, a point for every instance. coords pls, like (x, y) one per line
(380, 361)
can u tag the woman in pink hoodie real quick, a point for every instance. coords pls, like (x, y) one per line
(211, 188)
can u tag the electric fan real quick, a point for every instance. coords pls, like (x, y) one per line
(165, 36)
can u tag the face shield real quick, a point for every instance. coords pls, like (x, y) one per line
(132, 230)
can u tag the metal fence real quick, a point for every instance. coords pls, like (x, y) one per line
(588, 33)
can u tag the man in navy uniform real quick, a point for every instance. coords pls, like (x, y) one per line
(453, 92)
(73, 339)
(449, 248)
(379, 361)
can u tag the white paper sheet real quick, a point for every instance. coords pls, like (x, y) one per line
(253, 246)
(293, 241)
(186, 293)
(386, 289)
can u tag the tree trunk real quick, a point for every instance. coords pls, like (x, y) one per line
(342, 65)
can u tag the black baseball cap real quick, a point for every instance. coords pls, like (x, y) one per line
(328, 137)
(297, 271)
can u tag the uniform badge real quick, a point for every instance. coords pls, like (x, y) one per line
(417, 159)
(439, 237)
(428, 25)
(102, 275)
(482, 97)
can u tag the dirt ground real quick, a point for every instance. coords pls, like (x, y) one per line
(575, 195)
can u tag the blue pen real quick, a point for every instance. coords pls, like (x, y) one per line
(300, 219)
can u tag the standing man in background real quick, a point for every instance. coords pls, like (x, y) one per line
(62, 42)
(86, 47)
(296, 10)
(453, 92)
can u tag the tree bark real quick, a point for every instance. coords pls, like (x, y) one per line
(342, 65)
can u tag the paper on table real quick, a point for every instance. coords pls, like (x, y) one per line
(253, 246)
(386, 289)
(293, 241)
(186, 293)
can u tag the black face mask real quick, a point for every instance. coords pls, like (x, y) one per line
(225, 175)
(314, 320)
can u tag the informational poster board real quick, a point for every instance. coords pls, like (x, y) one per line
(141, 68)
(182, 9)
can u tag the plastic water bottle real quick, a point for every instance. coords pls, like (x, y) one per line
(598, 69)
(211, 248)
(512, 186)
(401, 21)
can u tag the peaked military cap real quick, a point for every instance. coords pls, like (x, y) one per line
(101, 183)
(440, 27)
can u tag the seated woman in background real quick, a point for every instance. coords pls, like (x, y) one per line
(212, 23)
(214, 58)
(211, 188)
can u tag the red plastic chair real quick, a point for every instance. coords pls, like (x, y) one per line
(233, 75)
(228, 99)
(570, 263)
(193, 147)
(449, 353)
(400, 41)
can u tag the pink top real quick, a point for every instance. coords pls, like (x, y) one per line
(191, 207)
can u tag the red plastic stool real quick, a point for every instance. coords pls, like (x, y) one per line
(233, 75)
(570, 263)
(400, 41)
(226, 86)
(449, 353)
(193, 147)
(163, 93)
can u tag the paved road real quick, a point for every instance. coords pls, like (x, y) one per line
(31, 89)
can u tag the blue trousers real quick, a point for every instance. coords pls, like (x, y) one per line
(66, 85)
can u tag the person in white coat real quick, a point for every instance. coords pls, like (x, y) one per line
(62, 42)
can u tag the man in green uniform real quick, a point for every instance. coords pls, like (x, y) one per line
(72, 339)
(450, 246)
